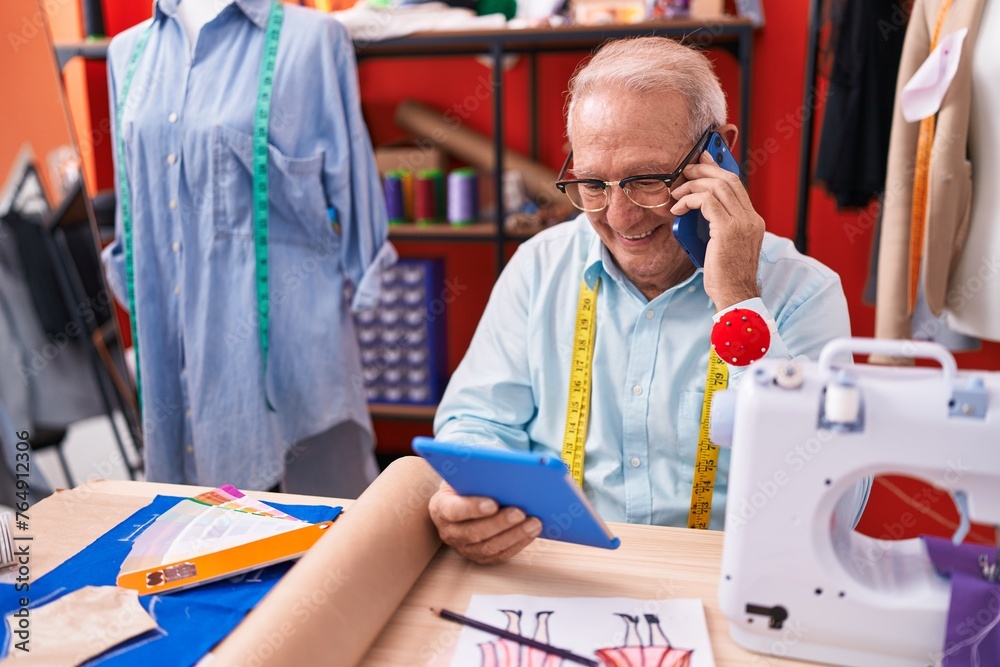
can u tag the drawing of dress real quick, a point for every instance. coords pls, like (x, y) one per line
(506, 653)
(658, 652)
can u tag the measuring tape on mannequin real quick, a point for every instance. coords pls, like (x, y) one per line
(261, 199)
(921, 179)
(578, 409)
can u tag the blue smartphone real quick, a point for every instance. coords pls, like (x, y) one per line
(691, 229)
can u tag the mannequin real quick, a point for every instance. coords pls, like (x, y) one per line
(193, 14)
(948, 181)
(231, 396)
(973, 304)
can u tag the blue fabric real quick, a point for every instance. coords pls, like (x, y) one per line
(187, 127)
(192, 621)
(649, 367)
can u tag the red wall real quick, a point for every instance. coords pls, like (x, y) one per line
(841, 240)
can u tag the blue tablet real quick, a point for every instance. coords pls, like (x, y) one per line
(539, 485)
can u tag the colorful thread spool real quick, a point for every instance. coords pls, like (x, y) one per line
(407, 178)
(463, 197)
(430, 204)
(394, 200)
(440, 201)
(424, 201)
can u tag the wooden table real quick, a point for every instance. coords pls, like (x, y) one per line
(653, 562)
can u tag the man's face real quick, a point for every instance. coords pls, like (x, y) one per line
(618, 135)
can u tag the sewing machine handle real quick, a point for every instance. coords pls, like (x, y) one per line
(914, 349)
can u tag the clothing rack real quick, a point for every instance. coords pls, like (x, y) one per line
(808, 123)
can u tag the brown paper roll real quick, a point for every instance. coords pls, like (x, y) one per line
(471, 147)
(332, 605)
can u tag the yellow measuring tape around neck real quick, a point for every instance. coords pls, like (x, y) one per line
(707, 460)
(578, 409)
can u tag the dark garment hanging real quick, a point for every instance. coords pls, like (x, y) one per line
(854, 143)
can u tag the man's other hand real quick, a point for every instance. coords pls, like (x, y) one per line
(478, 529)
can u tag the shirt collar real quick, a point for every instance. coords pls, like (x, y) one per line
(598, 259)
(255, 10)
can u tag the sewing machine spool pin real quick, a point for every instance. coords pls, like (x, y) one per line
(842, 406)
(789, 376)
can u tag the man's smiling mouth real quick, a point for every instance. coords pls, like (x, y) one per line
(637, 236)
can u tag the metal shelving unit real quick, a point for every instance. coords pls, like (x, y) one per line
(734, 35)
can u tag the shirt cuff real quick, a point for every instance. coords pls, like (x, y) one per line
(755, 304)
(114, 271)
(368, 288)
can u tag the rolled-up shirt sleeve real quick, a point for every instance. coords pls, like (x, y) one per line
(351, 177)
(801, 327)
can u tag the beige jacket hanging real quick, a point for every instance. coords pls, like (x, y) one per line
(950, 183)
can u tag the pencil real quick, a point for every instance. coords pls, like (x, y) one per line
(527, 641)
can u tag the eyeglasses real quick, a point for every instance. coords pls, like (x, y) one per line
(645, 190)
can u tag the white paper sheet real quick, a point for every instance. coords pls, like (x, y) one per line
(636, 632)
(923, 93)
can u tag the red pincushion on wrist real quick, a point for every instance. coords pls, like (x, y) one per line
(741, 337)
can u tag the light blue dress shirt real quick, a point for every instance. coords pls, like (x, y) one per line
(187, 127)
(649, 366)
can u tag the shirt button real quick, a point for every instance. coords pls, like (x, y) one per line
(649, 314)
(691, 288)
(190, 449)
(187, 414)
(637, 390)
(172, 118)
(176, 247)
(177, 289)
(172, 158)
(172, 203)
(635, 462)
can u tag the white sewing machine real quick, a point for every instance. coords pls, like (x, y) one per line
(797, 583)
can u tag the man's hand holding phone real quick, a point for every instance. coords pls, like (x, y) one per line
(714, 197)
